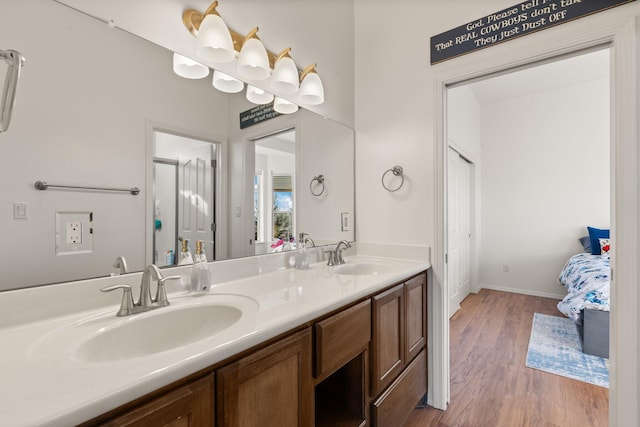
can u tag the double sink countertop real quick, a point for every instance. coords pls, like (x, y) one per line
(65, 369)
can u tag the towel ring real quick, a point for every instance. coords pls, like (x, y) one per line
(320, 179)
(397, 171)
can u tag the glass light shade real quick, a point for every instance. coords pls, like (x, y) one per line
(285, 77)
(213, 42)
(188, 68)
(283, 106)
(311, 90)
(253, 62)
(226, 83)
(258, 96)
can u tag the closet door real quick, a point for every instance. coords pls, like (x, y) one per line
(459, 230)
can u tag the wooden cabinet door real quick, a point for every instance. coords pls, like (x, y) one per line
(388, 341)
(271, 387)
(187, 406)
(415, 292)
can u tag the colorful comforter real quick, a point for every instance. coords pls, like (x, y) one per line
(586, 278)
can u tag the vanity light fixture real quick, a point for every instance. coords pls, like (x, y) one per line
(253, 62)
(217, 43)
(311, 88)
(188, 68)
(213, 39)
(285, 73)
(225, 83)
(258, 96)
(283, 106)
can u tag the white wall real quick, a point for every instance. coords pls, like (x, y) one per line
(84, 99)
(545, 177)
(464, 123)
(395, 112)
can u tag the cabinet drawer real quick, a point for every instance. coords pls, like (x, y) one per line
(395, 405)
(342, 337)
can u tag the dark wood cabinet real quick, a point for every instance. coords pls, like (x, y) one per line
(394, 406)
(398, 351)
(388, 341)
(342, 369)
(191, 405)
(415, 292)
(270, 387)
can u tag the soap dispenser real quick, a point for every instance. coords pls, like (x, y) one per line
(200, 275)
(302, 256)
(185, 254)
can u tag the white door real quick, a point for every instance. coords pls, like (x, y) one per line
(459, 232)
(195, 200)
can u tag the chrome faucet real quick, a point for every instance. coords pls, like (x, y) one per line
(339, 259)
(121, 264)
(145, 302)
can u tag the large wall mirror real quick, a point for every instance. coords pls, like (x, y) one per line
(100, 107)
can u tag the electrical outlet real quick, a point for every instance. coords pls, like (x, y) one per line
(74, 233)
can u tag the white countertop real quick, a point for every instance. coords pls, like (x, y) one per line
(44, 382)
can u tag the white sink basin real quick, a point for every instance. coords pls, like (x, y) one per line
(106, 338)
(361, 269)
(157, 332)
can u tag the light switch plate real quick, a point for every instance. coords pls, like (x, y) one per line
(345, 221)
(20, 210)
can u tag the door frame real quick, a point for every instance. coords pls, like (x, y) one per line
(614, 29)
(154, 193)
(219, 185)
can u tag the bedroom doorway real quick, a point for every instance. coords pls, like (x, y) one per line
(540, 136)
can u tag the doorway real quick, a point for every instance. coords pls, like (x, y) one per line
(522, 181)
(183, 196)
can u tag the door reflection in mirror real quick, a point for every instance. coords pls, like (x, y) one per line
(184, 196)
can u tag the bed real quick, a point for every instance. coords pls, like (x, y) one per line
(586, 277)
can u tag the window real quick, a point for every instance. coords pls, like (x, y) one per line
(258, 203)
(282, 206)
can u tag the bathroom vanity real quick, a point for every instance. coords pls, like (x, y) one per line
(323, 347)
(317, 374)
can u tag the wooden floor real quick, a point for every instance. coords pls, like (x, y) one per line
(490, 384)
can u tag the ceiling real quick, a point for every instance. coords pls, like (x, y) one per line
(565, 72)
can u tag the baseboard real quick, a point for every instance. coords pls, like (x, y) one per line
(521, 291)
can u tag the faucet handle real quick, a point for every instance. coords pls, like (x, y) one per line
(161, 293)
(126, 306)
(331, 260)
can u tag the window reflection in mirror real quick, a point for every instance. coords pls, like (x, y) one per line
(274, 195)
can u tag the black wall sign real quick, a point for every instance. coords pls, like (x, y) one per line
(524, 18)
(257, 114)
